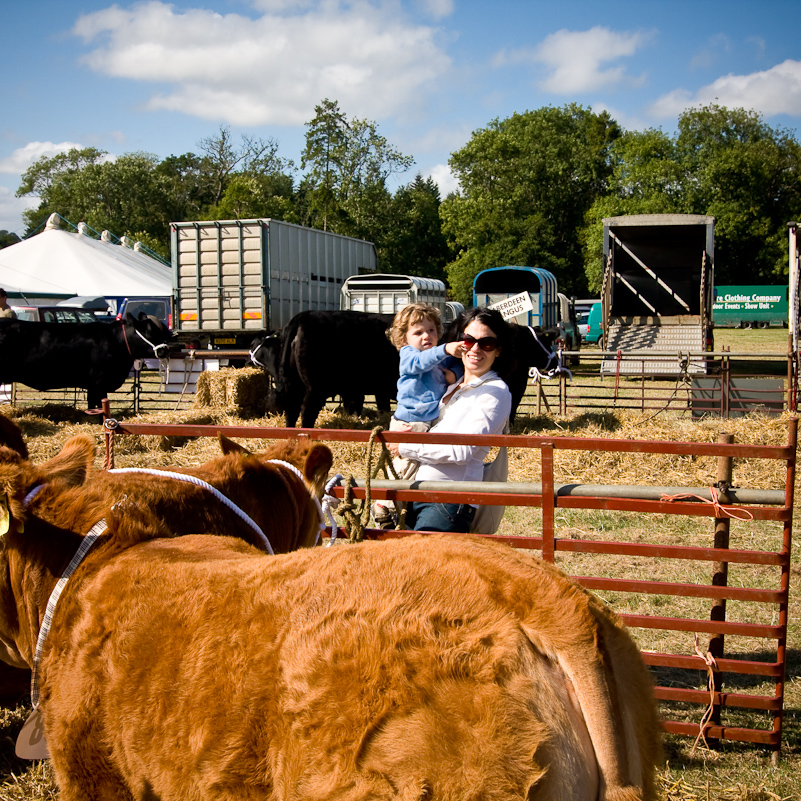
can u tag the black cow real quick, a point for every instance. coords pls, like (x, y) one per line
(327, 353)
(265, 352)
(94, 356)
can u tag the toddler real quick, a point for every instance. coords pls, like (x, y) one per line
(426, 369)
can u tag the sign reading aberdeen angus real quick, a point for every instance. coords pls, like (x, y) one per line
(511, 307)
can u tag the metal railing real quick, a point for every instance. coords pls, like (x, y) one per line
(764, 585)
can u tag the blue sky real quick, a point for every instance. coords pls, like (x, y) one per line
(160, 77)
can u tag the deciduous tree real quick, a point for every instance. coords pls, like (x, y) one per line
(526, 183)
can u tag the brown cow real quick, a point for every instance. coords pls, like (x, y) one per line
(11, 436)
(75, 497)
(446, 668)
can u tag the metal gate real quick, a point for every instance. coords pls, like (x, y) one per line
(763, 562)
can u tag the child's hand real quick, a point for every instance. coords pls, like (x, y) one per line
(455, 349)
(450, 376)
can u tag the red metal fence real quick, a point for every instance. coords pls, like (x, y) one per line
(762, 521)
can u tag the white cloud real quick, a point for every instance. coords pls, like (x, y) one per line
(773, 91)
(23, 157)
(11, 209)
(577, 60)
(445, 179)
(436, 9)
(272, 69)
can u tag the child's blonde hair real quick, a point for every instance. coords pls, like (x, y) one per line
(408, 316)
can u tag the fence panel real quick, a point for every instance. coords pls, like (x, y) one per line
(750, 635)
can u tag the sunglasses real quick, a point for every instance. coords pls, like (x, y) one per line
(485, 343)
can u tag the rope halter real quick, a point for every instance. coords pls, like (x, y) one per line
(553, 356)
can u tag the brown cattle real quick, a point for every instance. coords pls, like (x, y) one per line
(447, 668)
(11, 436)
(285, 508)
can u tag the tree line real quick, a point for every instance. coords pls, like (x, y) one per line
(533, 190)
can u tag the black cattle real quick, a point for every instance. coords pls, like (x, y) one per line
(96, 357)
(531, 348)
(265, 352)
(327, 353)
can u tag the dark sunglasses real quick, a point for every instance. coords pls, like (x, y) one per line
(485, 343)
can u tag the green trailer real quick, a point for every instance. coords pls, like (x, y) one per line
(750, 307)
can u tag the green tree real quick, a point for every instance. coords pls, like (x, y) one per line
(255, 196)
(221, 159)
(747, 175)
(415, 244)
(347, 165)
(8, 238)
(53, 180)
(526, 183)
(647, 178)
(726, 163)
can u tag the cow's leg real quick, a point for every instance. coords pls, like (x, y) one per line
(94, 397)
(383, 402)
(312, 406)
(353, 404)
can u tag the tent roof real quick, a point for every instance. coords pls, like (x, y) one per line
(58, 262)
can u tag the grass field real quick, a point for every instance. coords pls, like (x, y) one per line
(731, 772)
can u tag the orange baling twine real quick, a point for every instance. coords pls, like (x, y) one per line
(711, 666)
(735, 512)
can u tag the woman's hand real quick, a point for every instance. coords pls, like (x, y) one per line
(392, 447)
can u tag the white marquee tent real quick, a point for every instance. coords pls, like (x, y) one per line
(56, 262)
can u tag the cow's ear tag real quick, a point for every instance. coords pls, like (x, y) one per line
(31, 743)
(5, 516)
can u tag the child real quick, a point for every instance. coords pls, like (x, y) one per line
(426, 369)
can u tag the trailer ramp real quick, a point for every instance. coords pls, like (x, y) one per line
(629, 337)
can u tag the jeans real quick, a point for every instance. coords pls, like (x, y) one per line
(454, 518)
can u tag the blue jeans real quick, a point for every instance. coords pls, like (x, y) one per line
(454, 518)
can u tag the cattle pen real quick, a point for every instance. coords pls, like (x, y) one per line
(723, 560)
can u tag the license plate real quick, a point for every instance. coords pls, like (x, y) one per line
(225, 340)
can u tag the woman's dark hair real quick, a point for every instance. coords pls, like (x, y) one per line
(505, 361)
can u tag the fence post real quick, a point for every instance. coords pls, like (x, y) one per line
(720, 570)
(548, 501)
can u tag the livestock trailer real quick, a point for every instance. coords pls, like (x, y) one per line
(545, 306)
(387, 294)
(658, 288)
(236, 278)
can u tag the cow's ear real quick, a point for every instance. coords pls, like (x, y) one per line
(229, 446)
(318, 463)
(73, 463)
(5, 515)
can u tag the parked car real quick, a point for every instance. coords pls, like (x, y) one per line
(594, 324)
(583, 320)
(160, 308)
(55, 314)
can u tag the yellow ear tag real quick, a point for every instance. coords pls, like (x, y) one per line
(5, 517)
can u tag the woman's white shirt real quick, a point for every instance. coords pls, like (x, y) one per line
(481, 406)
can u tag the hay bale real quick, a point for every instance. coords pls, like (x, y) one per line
(240, 390)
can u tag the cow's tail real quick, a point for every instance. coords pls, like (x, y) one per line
(613, 691)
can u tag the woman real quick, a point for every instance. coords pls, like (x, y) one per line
(479, 404)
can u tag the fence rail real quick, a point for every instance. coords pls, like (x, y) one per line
(768, 594)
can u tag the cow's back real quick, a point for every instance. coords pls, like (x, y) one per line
(425, 667)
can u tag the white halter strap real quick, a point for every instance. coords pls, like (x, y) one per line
(86, 543)
(213, 490)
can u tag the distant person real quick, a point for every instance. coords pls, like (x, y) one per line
(426, 370)
(5, 309)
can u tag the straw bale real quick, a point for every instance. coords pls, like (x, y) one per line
(243, 390)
